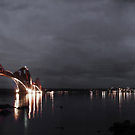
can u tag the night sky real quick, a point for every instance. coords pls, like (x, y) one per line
(69, 43)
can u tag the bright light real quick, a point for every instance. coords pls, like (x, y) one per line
(52, 95)
(16, 112)
(103, 94)
(17, 90)
(33, 100)
(29, 90)
(91, 94)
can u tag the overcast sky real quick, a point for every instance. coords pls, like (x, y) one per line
(70, 43)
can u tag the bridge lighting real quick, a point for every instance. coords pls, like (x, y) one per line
(29, 90)
(22, 79)
(17, 90)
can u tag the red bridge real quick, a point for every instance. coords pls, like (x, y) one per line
(22, 79)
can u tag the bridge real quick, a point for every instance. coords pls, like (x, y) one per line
(22, 79)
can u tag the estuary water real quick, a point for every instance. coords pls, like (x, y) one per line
(65, 113)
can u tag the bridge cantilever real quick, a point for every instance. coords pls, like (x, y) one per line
(22, 78)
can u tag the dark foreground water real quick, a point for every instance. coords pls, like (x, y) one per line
(65, 113)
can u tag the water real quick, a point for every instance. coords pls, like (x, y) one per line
(64, 113)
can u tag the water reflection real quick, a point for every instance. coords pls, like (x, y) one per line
(113, 95)
(103, 94)
(118, 97)
(51, 94)
(32, 100)
(55, 106)
(91, 94)
(16, 111)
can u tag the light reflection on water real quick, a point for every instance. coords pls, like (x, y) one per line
(55, 109)
(116, 96)
(31, 100)
(16, 112)
(35, 103)
(52, 99)
(103, 94)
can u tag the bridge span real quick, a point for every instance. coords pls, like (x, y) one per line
(22, 79)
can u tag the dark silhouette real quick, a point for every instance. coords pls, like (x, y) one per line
(124, 128)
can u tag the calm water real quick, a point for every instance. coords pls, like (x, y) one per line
(64, 113)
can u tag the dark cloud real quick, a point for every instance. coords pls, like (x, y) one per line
(76, 43)
(130, 1)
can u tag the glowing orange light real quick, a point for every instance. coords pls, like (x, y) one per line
(34, 101)
(17, 90)
(16, 112)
